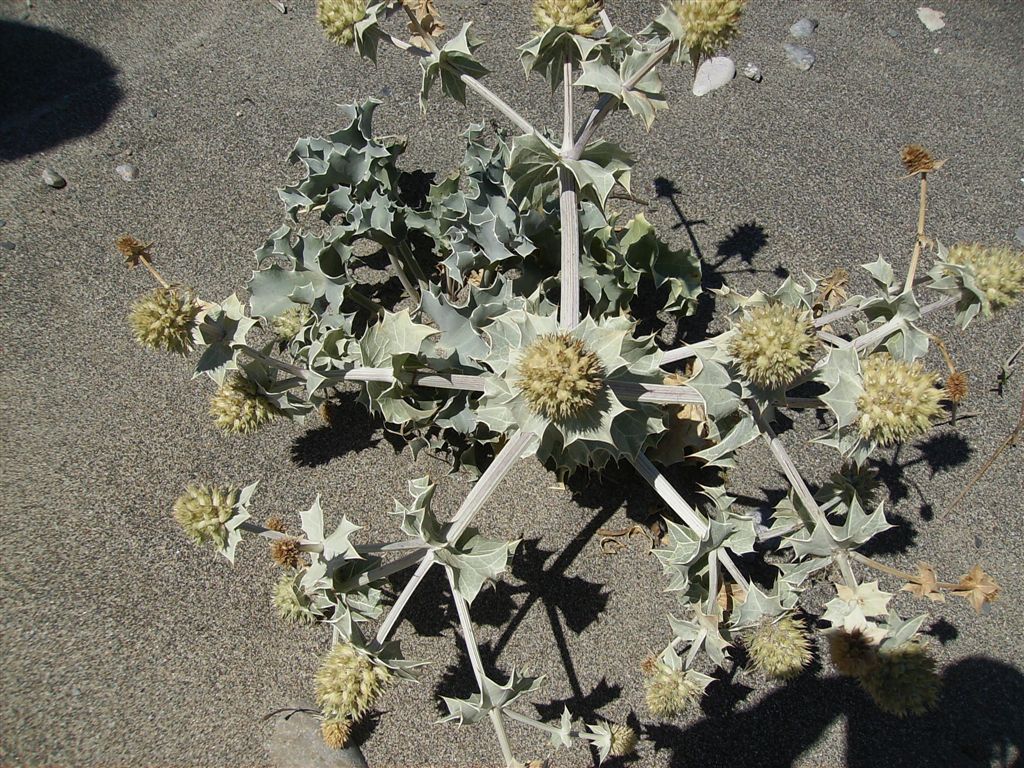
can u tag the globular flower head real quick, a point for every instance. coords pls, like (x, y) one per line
(239, 407)
(710, 25)
(957, 387)
(132, 249)
(580, 16)
(917, 159)
(669, 691)
(339, 18)
(203, 511)
(335, 732)
(287, 324)
(773, 344)
(559, 376)
(853, 653)
(899, 401)
(903, 680)
(164, 320)
(998, 270)
(286, 552)
(780, 649)
(291, 604)
(624, 740)
(348, 682)
(275, 523)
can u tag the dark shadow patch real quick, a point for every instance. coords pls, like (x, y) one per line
(52, 89)
(350, 428)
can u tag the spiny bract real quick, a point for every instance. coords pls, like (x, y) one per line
(669, 691)
(291, 321)
(773, 344)
(899, 401)
(335, 732)
(710, 24)
(624, 740)
(903, 681)
(238, 406)
(853, 654)
(204, 510)
(998, 270)
(580, 16)
(339, 18)
(559, 376)
(780, 648)
(348, 682)
(291, 605)
(164, 320)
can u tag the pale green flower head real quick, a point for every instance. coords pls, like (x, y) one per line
(288, 324)
(238, 406)
(902, 681)
(164, 320)
(899, 400)
(348, 682)
(998, 270)
(580, 16)
(203, 511)
(624, 740)
(780, 649)
(292, 604)
(710, 25)
(339, 18)
(670, 692)
(773, 344)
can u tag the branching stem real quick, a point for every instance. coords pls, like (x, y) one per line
(922, 208)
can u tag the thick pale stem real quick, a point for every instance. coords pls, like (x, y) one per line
(569, 300)
(499, 729)
(842, 558)
(664, 488)
(714, 575)
(403, 278)
(922, 208)
(395, 614)
(695, 648)
(152, 271)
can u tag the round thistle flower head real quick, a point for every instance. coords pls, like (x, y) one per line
(339, 19)
(957, 387)
(286, 552)
(917, 159)
(203, 512)
(773, 344)
(669, 691)
(291, 604)
(853, 654)
(238, 406)
(335, 732)
(559, 376)
(998, 271)
(624, 740)
(164, 320)
(780, 648)
(580, 16)
(899, 401)
(903, 681)
(348, 683)
(710, 24)
(288, 324)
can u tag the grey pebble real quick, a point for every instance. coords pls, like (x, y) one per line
(127, 171)
(152, 112)
(799, 57)
(295, 742)
(1020, 235)
(977, 541)
(7, 245)
(753, 72)
(803, 28)
(3, 223)
(53, 179)
(892, 33)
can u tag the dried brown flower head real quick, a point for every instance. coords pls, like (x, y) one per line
(133, 250)
(275, 523)
(956, 387)
(286, 552)
(917, 159)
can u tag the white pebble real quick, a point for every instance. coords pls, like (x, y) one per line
(713, 74)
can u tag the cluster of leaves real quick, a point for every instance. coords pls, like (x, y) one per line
(479, 257)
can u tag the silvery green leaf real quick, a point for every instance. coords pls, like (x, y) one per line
(898, 632)
(563, 738)
(367, 30)
(643, 250)
(643, 100)
(241, 514)
(546, 53)
(452, 61)
(395, 334)
(475, 560)
(794, 574)
(601, 166)
(760, 605)
(881, 273)
(493, 696)
(220, 328)
(601, 739)
(533, 168)
(668, 26)
(841, 374)
(419, 519)
(959, 280)
(702, 632)
(719, 390)
(742, 431)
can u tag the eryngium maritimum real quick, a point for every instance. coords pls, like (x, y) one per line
(335, 732)
(164, 320)
(773, 344)
(998, 271)
(903, 681)
(580, 16)
(203, 512)
(624, 740)
(853, 654)
(559, 376)
(710, 24)
(291, 321)
(291, 605)
(899, 401)
(286, 552)
(339, 18)
(348, 682)
(670, 691)
(780, 648)
(238, 406)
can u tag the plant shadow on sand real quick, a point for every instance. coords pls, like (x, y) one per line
(979, 722)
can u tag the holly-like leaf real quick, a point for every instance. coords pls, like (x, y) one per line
(867, 596)
(493, 696)
(475, 560)
(841, 374)
(533, 167)
(220, 328)
(601, 166)
(450, 63)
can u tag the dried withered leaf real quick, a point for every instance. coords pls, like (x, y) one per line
(925, 584)
(428, 18)
(978, 587)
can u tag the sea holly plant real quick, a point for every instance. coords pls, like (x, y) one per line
(515, 336)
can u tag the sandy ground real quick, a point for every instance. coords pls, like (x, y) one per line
(123, 645)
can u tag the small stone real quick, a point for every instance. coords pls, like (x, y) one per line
(238, 113)
(53, 179)
(76, 692)
(7, 245)
(295, 742)
(977, 541)
(932, 19)
(803, 28)
(127, 171)
(799, 57)
(892, 33)
(152, 112)
(1019, 235)
(3, 223)
(713, 74)
(753, 72)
